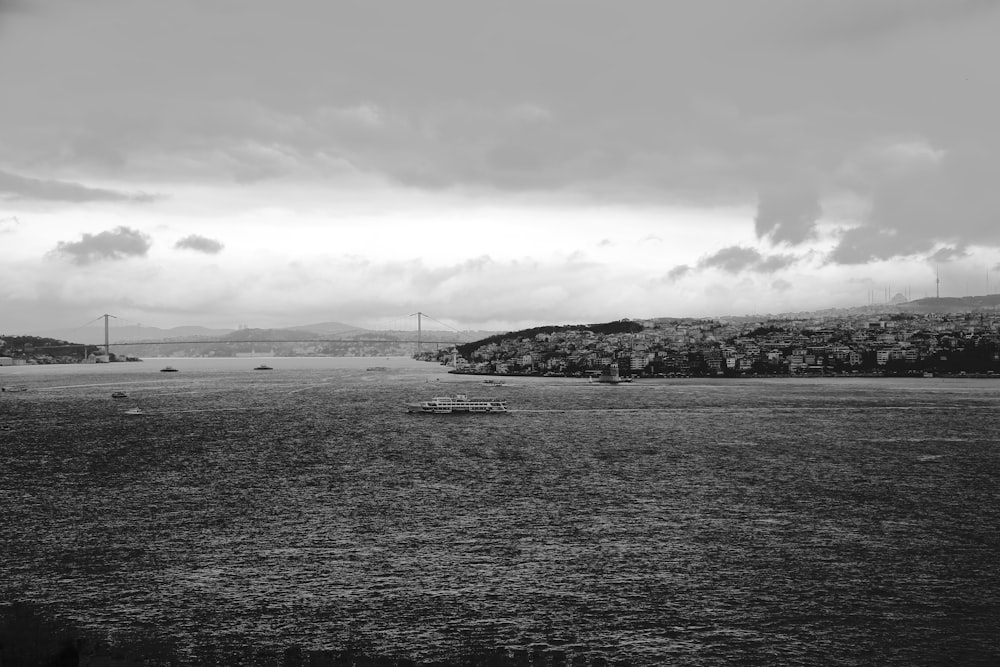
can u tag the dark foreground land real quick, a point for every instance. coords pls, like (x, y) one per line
(302, 518)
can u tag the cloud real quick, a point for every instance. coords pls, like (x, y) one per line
(865, 244)
(13, 6)
(678, 272)
(200, 244)
(955, 195)
(920, 198)
(116, 244)
(735, 259)
(13, 186)
(531, 113)
(867, 22)
(773, 263)
(948, 254)
(788, 216)
(889, 103)
(781, 285)
(366, 114)
(433, 279)
(479, 290)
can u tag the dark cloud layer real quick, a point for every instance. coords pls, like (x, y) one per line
(948, 254)
(779, 102)
(678, 272)
(13, 186)
(7, 6)
(116, 244)
(788, 216)
(199, 244)
(735, 259)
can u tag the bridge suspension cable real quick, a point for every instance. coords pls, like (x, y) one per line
(420, 315)
(331, 337)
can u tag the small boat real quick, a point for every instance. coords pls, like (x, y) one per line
(372, 369)
(495, 383)
(16, 387)
(134, 411)
(443, 405)
(168, 369)
(263, 367)
(119, 394)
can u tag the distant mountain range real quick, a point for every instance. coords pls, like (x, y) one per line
(327, 328)
(94, 335)
(926, 306)
(127, 334)
(960, 304)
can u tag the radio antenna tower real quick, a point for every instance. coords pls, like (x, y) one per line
(937, 282)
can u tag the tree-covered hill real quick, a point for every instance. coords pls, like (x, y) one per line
(618, 326)
(25, 347)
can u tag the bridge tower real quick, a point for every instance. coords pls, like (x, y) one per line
(419, 331)
(107, 338)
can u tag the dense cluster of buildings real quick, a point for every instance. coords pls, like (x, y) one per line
(20, 350)
(896, 344)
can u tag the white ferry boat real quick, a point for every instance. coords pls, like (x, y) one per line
(443, 405)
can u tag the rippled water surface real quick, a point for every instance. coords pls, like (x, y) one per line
(815, 521)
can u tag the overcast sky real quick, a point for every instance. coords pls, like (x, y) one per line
(493, 164)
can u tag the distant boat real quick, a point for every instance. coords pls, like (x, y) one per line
(442, 405)
(134, 411)
(376, 368)
(263, 367)
(16, 387)
(168, 369)
(495, 383)
(119, 394)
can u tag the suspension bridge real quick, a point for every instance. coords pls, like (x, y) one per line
(419, 337)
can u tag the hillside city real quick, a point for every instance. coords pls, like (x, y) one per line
(887, 344)
(862, 341)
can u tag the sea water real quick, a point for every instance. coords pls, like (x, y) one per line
(771, 521)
